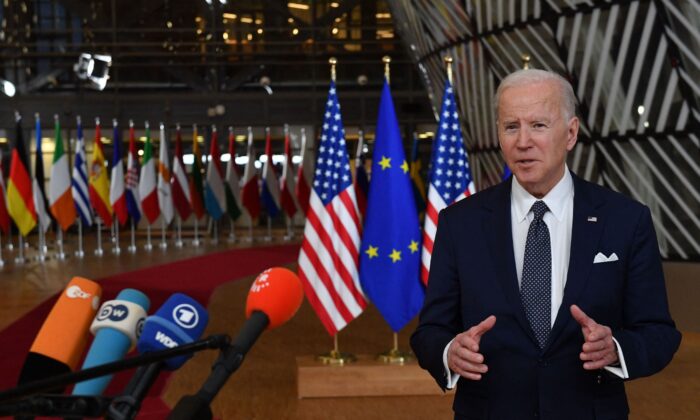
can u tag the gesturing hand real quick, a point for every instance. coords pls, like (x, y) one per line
(598, 348)
(463, 355)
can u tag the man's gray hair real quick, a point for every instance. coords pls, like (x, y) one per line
(528, 76)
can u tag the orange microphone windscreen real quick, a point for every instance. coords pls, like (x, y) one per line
(64, 334)
(277, 292)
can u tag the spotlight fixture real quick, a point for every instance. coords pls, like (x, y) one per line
(7, 87)
(94, 68)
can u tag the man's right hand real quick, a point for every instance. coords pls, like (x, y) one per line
(463, 357)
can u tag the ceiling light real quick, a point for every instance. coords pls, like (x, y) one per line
(7, 87)
(299, 6)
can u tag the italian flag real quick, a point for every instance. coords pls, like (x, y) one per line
(60, 195)
(147, 181)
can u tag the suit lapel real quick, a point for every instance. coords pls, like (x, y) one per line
(587, 226)
(497, 230)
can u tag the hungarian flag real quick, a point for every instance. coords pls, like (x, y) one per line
(165, 197)
(4, 215)
(38, 182)
(196, 189)
(251, 195)
(304, 176)
(81, 196)
(271, 187)
(60, 194)
(99, 183)
(147, 183)
(214, 194)
(287, 198)
(179, 183)
(232, 184)
(20, 199)
(133, 203)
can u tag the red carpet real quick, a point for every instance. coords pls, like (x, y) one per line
(195, 277)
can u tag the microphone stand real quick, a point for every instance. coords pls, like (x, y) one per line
(128, 404)
(212, 342)
(47, 405)
(230, 359)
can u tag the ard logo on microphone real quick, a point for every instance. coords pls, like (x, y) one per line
(186, 316)
(114, 313)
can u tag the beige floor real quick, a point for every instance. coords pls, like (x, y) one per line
(265, 386)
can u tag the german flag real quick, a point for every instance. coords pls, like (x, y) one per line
(20, 203)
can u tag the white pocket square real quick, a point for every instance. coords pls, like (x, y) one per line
(601, 258)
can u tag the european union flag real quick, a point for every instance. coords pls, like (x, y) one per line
(390, 249)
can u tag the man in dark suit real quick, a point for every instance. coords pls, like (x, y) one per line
(545, 292)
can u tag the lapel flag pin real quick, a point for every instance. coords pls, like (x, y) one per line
(592, 219)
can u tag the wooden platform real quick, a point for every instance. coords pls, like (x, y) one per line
(367, 377)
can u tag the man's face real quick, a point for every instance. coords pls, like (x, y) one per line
(534, 136)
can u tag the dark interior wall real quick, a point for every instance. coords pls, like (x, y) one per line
(683, 286)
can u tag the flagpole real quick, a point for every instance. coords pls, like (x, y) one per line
(19, 259)
(79, 253)
(232, 234)
(250, 229)
(59, 240)
(195, 241)
(163, 242)
(99, 251)
(117, 249)
(215, 231)
(149, 245)
(132, 247)
(335, 356)
(178, 241)
(2, 262)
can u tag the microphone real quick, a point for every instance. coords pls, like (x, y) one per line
(274, 297)
(62, 338)
(116, 328)
(181, 320)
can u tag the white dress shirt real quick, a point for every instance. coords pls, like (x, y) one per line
(559, 219)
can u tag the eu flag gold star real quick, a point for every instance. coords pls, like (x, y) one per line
(385, 163)
(404, 166)
(372, 252)
(413, 247)
(395, 255)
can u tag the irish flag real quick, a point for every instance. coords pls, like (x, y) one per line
(60, 194)
(147, 182)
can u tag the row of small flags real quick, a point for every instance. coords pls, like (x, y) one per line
(362, 237)
(149, 188)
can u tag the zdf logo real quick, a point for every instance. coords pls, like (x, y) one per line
(186, 316)
(114, 313)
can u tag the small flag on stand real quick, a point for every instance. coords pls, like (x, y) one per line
(79, 179)
(329, 251)
(196, 185)
(99, 182)
(251, 193)
(38, 182)
(133, 202)
(147, 181)
(304, 175)
(287, 198)
(117, 192)
(4, 215)
(214, 194)
(232, 184)
(20, 198)
(60, 196)
(271, 187)
(450, 176)
(179, 182)
(165, 196)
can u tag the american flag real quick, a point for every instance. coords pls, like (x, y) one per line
(328, 260)
(450, 176)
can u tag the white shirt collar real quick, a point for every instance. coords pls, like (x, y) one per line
(555, 199)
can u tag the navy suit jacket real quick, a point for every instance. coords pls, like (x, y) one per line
(473, 275)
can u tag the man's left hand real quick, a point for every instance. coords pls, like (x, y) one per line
(598, 349)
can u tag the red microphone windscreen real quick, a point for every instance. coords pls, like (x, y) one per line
(278, 293)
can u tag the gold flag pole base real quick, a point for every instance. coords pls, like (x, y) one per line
(335, 357)
(395, 356)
